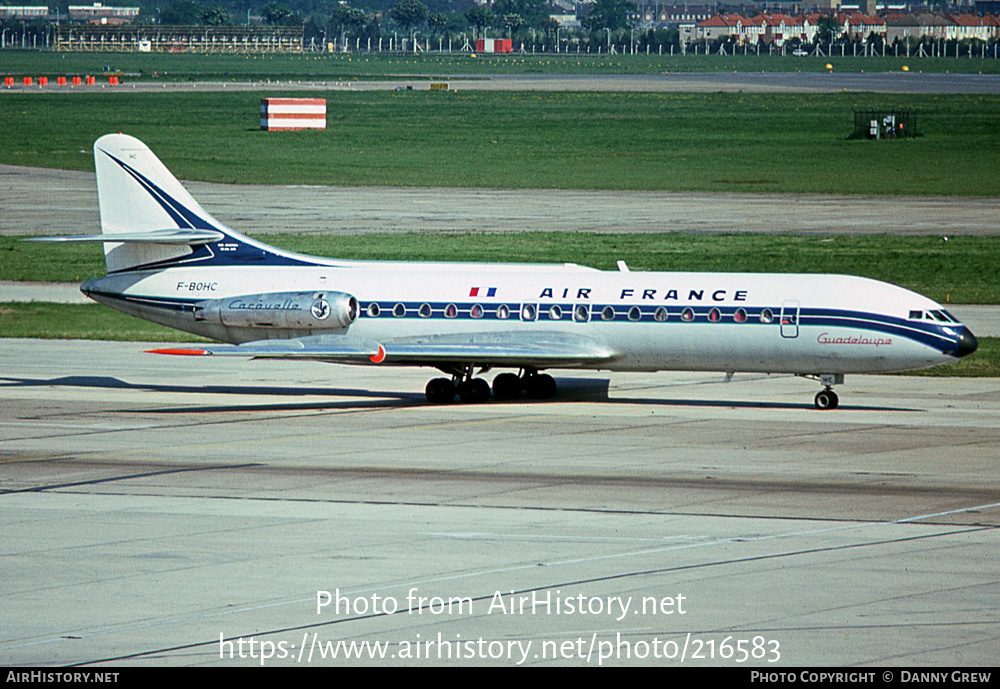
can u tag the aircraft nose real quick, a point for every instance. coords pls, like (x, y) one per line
(967, 343)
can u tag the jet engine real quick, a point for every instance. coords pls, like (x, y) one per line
(294, 310)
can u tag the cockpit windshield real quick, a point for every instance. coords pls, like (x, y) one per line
(938, 315)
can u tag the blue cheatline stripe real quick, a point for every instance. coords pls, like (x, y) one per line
(927, 334)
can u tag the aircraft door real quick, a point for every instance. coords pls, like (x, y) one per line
(790, 319)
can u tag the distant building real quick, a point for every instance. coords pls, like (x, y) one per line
(179, 39)
(864, 6)
(24, 12)
(913, 27)
(98, 13)
(659, 14)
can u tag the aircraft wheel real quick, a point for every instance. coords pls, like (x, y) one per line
(474, 391)
(540, 387)
(827, 399)
(440, 391)
(507, 386)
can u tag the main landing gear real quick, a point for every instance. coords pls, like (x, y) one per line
(827, 398)
(506, 387)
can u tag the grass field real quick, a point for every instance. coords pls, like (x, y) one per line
(320, 66)
(697, 142)
(962, 270)
(82, 322)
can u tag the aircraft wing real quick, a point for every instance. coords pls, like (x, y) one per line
(520, 349)
(335, 348)
(534, 349)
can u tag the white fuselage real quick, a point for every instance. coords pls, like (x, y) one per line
(792, 323)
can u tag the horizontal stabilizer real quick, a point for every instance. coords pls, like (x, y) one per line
(517, 349)
(174, 236)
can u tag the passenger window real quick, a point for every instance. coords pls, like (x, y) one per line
(740, 316)
(608, 313)
(661, 315)
(399, 310)
(528, 312)
(503, 313)
(635, 313)
(714, 316)
(582, 313)
(766, 316)
(450, 311)
(477, 311)
(373, 310)
(555, 313)
(687, 315)
(425, 310)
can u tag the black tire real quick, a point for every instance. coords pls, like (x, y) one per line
(827, 399)
(540, 387)
(474, 391)
(507, 386)
(440, 391)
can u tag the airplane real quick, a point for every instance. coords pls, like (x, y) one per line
(171, 262)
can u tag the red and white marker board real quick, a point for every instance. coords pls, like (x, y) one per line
(280, 114)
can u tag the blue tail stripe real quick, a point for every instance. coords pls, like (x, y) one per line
(238, 251)
(183, 216)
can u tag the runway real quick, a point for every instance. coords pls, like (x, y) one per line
(40, 201)
(158, 511)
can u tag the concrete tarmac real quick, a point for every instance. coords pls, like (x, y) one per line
(192, 511)
(39, 201)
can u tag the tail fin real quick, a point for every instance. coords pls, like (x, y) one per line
(138, 195)
(149, 221)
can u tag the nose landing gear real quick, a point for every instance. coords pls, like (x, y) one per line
(827, 398)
